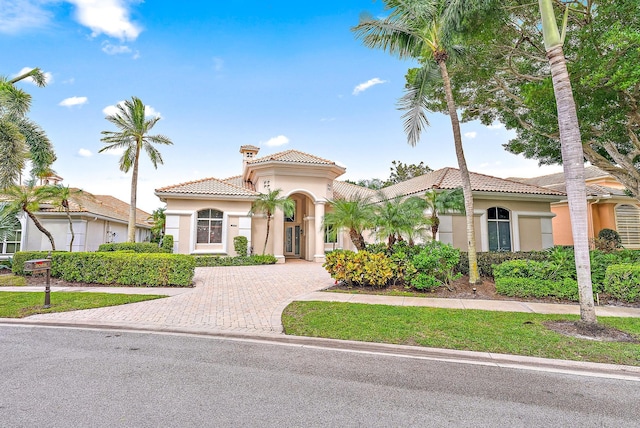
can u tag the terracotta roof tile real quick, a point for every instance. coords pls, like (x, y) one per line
(344, 190)
(590, 172)
(210, 186)
(292, 156)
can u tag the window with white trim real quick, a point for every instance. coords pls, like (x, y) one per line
(628, 225)
(209, 227)
(499, 229)
(11, 242)
(330, 234)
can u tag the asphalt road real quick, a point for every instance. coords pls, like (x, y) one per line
(98, 378)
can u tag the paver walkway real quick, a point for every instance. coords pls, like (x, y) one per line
(250, 299)
(235, 298)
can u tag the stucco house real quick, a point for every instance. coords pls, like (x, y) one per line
(96, 219)
(609, 207)
(205, 215)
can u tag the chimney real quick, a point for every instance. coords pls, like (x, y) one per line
(249, 152)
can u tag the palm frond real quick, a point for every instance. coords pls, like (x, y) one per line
(414, 102)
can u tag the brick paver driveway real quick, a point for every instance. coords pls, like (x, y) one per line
(241, 299)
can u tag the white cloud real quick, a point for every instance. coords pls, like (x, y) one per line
(471, 134)
(48, 77)
(16, 16)
(218, 63)
(113, 109)
(109, 17)
(84, 153)
(73, 101)
(495, 125)
(366, 85)
(110, 49)
(69, 81)
(280, 140)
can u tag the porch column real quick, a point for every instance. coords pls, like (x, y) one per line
(319, 232)
(277, 225)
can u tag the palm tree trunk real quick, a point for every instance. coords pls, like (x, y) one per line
(73, 236)
(474, 276)
(41, 228)
(266, 239)
(131, 230)
(573, 164)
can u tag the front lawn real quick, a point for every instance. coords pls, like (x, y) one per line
(23, 304)
(471, 330)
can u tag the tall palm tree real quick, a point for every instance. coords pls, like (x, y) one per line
(268, 203)
(27, 199)
(416, 29)
(354, 214)
(442, 202)
(61, 198)
(21, 138)
(572, 156)
(132, 136)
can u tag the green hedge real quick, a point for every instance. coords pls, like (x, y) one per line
(529, 278)
(622, 282)
(486, 260)
(152, 270)
(138, 247)
(22, 256)
(212, 261)
(167, 243)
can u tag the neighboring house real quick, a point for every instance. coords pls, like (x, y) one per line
(609, 207)
(97, 219)
(205, 215)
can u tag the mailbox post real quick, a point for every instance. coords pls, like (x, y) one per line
(41, 265)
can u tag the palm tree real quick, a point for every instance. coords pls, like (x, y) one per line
(132, 136)
(61, 197)
(416, 29)
(442, 202)
(355, 215)
(572, 156)
(398, 217)
(27, 199)
(21, 138)
(9, 223)
(158, 219)
(268, 203)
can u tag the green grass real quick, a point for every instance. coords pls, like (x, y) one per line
(12, 280)
(23, 304)
(472, 330)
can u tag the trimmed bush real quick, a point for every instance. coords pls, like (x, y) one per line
(22, 256)
(361, 268)
(528, 278)
(434, 266)
(486, 260)
(241, 245)
(622, 282)
(167, 243)
(137, 247)
(111, 268)
(212, 261)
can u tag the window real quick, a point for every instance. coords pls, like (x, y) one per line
(499, 229)
(330, 235)
(266, 185)
(11, 243)
(628, 225)
(209, 227)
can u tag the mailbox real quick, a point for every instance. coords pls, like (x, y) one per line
(37, 265)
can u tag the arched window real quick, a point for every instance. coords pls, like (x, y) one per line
(209, 227)
(628, 225)
(499, 229)
(10, 242)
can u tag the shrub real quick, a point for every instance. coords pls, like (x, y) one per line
(167, 243)
(22, 256)
(487, 259)
(212, 261)
(137, 247)
(124, 268)
(434, 266)
(529, 278)
(361, 268)
(241, 245)
(608, 240)
(622, 281)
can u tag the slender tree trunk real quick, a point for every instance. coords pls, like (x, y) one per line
(131, 230)
(435, 225)
(573, 164)
(266, 239)
(41, 229)
(73, 236)
(474, 276)
(357, 239)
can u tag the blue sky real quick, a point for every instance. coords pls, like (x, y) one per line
(277, 74)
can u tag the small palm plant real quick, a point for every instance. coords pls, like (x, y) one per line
(268, 203)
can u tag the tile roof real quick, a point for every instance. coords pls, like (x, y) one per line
(249, 147)
(344, 190)
(449, 178)
(210, 186)
(102, 205)
(590, 172)
(592, 190)
(291, 156)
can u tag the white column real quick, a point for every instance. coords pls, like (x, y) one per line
(277, 232)
(319, 232)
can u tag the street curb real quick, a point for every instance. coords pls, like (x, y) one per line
(506, 361)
